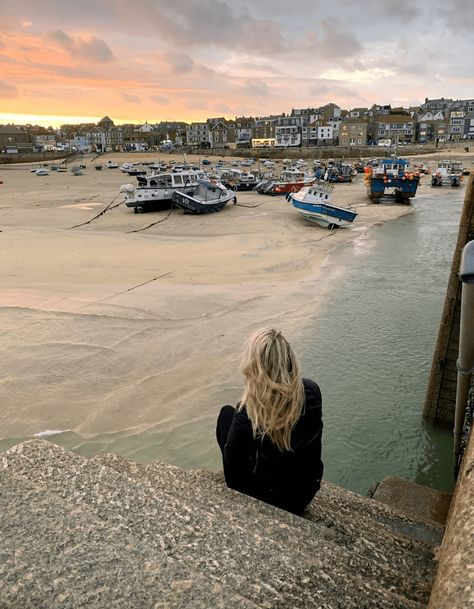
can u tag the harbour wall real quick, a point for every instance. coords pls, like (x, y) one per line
(440, 397)
(33, 157)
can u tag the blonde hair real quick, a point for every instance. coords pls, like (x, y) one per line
(274, 395)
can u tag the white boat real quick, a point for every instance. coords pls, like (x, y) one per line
(448, 173)
(41, 172)
(314, 204)
(155, 191)
(111, 165)
(237, 179)
(77, 170)
(206, 197)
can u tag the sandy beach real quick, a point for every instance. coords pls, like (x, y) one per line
(106, 330)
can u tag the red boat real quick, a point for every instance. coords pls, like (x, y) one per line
(291, 181)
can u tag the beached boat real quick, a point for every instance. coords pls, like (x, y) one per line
(41, 172)
(237, 179)
(340, 173)
(77, 170)
(111, 165)
(448, 173)
(314, 204)
(155, 191)
(390, 178)
(205, 197)
(291, 181)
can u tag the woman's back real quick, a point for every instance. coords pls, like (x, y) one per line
(281, 464)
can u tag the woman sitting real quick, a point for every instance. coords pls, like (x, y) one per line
(271, 443)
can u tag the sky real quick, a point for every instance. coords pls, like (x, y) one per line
(151, 60)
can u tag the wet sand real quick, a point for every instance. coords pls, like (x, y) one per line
(104, 330)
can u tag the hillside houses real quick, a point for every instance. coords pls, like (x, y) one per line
(433, 121)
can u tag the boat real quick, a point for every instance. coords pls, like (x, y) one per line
(340, 172)
(390, 178)
(205, 197)
(111, 165)
(237, 179)
(98, 167)
(448, 173)
(314, 204)
(77, 170)
(155, 191)
(41, 172)
(291, 181)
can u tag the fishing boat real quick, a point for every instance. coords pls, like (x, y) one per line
(205, 197)
(291, 181)
(390, 178)
(448, 173)
(237, 179)
(155, 191)
(314, 204)
(340, 172)
(111, 165)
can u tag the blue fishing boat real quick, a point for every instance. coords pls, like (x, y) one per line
(390, 178)
(314, 204)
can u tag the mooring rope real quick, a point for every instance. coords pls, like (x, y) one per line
(106, 209)
(138, 230)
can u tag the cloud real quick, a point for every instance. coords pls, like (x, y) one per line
(132, 99)
(159, 99)
(333, 42)
(91, 49)
(179, 62)
(7, 91)
(207, 23)
(327, 87)
(458, 15)
(256, 87)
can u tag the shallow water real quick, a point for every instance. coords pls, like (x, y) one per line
(370, 348)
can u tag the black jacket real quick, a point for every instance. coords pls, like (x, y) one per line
(256, 467)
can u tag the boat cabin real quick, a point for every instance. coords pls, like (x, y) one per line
(170, 180)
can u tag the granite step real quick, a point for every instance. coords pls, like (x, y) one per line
(273, 559)
(54, 553)
(367, 530)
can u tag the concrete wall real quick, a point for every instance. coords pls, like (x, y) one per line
(454, 583)
(441, 393)
(32, 157)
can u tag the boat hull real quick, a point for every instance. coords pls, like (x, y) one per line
(192, 205)
(399, 188)
(283, 188)
(325, 215)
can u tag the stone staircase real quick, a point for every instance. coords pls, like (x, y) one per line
(109, 533)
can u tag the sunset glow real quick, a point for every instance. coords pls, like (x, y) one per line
(153, 60)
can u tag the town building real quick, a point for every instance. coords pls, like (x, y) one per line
(353, 131)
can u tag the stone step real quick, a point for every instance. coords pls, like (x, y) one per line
(55, 553)
(269, 570)
(367, 532)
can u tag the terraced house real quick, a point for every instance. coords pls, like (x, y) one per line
(353, 132)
